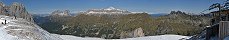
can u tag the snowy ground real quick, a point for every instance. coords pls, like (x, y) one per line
(159, 37)
(20, 29)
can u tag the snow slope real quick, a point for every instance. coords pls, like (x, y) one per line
(20, 29)
(159, 37)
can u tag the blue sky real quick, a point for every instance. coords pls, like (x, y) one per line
(150, 6)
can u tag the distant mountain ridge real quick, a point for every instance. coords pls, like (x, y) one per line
(60, 13)
(107, 11)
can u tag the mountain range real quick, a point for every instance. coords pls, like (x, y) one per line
(112, 23)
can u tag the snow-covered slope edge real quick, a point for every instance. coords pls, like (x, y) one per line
(20, 29)
(159, 37)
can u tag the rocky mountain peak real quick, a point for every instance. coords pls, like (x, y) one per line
(17, 7)
(1, 7)
(60, 13)
(174, 14)
(110, 8)
(16, 10)
(2, 4)
(178, 12)
(17, 4)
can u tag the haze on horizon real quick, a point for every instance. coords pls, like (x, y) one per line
(150, 6)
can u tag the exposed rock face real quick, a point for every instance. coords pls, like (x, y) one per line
(16, 10)
(1, 7)
(60, 13)
(135, 33)
(138, 32)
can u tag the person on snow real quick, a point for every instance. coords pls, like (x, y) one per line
(5, 21)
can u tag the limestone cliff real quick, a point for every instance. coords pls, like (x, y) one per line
(16, 9)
